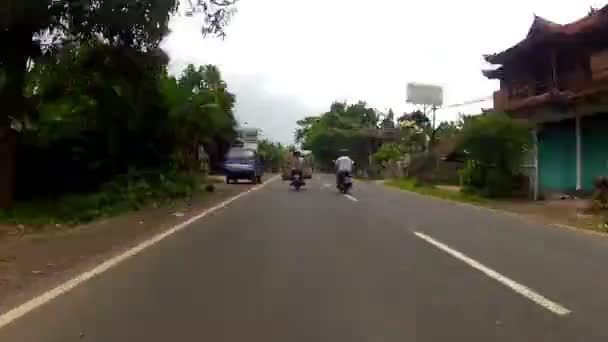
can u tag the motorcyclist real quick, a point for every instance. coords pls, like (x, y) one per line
(344, 167)
(297, 166)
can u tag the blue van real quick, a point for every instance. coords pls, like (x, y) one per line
(243, 163)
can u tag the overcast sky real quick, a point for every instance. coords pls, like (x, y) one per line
(286, 59)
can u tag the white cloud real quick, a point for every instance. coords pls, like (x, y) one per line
(295, 57)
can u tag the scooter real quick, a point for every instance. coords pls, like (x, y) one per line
(346, 184)
(297, 181)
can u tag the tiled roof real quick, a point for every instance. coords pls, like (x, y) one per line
(542, 28)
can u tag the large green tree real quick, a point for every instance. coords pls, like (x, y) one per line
(36, 31)
(201, 112)
(495, 145)
(30, 28)
(352, 127)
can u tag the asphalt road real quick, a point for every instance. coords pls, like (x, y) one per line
(282, 266)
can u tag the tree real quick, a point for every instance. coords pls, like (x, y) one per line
(272, 154)
(304, 128)
(495, 145)
(353, 127)
(389, 120)
(201, 112)
(33, 29)
(388, 152)
(448, 130)
(30, 28)
(416, 117)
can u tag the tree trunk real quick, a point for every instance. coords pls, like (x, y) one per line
(8, 142)
(14, 65)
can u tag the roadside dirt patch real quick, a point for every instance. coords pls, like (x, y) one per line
(33, 263)
(561, 212)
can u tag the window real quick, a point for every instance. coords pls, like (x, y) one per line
(240, 153)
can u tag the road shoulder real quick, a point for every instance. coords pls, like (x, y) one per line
(528, 211)
(34, 263)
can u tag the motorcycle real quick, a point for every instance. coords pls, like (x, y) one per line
(297, 181)
(346, 184)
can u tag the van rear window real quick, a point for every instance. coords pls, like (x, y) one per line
(239, 153)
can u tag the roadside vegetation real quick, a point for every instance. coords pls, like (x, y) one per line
(414, 185)
(345, 126)
(272, 154)
(495, 146)
(100, 125)
(488, 149)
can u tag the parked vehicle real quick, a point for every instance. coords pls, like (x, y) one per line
(243, 163)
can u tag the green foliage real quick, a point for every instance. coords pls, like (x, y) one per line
(102, 110)
(599, 199)
(389, 120)
(200, 111)
(414, 185)
(127, 192)
(344, 126)
(448, 130)
(272, 154)
(388, 152)
(495, 145)
(33, 28)
(86, 73)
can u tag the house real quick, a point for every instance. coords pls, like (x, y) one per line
(556, 79)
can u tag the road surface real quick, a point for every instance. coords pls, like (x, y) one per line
(380, 265)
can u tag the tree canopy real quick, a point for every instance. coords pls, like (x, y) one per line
(344, 126)
(88, 79)
(495, 145)
(30, 29)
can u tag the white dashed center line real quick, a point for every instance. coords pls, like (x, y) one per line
(351, 198)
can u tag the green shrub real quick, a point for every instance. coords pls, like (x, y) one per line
(388, 152)
(472, 176)
(131, 191)
(495, 145)
(600, 195)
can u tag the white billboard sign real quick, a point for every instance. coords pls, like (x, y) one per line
(425, 94)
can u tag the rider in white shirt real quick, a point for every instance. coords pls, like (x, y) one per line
(344, 167)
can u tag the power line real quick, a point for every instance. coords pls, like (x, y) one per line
(469, 102)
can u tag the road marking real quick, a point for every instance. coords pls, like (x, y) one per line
(326, 185)
(515, 286)
(351, 198)
(48, 296)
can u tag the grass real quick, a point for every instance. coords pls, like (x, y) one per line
(413, 185)
(595, 223)
(124, 194)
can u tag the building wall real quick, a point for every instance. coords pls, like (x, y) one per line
(557, 156)
(594, 148)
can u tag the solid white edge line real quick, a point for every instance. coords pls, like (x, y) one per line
(513, 285)
(48, 296)
(351, 198)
